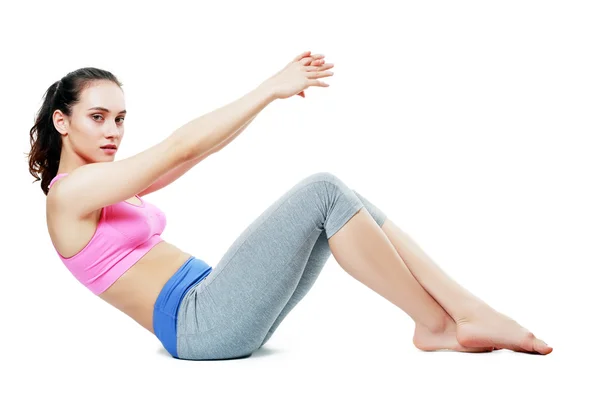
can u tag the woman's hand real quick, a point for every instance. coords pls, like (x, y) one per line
(303, 71)
(318, 60)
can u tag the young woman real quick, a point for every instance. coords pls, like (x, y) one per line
(108, 236)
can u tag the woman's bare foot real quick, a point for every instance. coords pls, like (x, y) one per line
(444, 338)
(488, 327)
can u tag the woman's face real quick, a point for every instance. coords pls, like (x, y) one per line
(97, 120)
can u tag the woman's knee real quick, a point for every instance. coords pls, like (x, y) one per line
(323, 176)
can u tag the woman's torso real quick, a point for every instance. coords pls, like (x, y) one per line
(136, 291)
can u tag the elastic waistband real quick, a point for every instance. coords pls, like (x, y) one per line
(167, 303)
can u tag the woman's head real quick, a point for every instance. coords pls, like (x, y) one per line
(82, 112)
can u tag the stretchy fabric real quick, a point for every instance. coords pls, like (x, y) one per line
(232, 310)
(164, 320)
(125, 232)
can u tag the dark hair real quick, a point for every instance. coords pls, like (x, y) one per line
(45, 140)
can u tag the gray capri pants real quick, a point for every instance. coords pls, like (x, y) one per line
(267, 270)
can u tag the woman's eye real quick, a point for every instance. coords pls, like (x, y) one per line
(98, 115)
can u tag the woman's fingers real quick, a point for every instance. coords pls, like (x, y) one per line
(310, 59)
(318, 74)
(305, 61)
(317, 67)
(301, 55)
(314, 63)
(314, 82)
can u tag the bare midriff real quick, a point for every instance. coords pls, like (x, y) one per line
(136, 291)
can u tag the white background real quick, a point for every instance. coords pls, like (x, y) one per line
(472, 124)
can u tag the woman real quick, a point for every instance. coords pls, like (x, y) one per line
(109, 236)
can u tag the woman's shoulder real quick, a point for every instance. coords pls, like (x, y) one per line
(53, 202)
(69, 233)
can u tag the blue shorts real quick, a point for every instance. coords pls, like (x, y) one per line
(164, 320)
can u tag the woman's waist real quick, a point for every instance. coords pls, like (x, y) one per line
(139, 287)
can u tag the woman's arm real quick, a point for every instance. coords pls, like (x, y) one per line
(203, 135)
(184, 167)
(209, 133)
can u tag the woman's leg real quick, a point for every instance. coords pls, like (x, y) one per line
(316, 261)
(318, 257)
(477, 323)
(230, 312)
(442, 337)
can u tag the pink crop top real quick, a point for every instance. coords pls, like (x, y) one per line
(125, 232)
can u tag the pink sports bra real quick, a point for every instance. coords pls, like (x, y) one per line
(125, 232)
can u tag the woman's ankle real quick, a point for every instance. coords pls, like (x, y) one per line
(473, 311)
(437, 325)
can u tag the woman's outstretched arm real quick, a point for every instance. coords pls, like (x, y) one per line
(181, 169)
(211, 132)
(202, 135)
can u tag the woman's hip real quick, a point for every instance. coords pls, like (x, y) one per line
(164, 321)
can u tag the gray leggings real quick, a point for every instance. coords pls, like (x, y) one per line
(267, 270)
